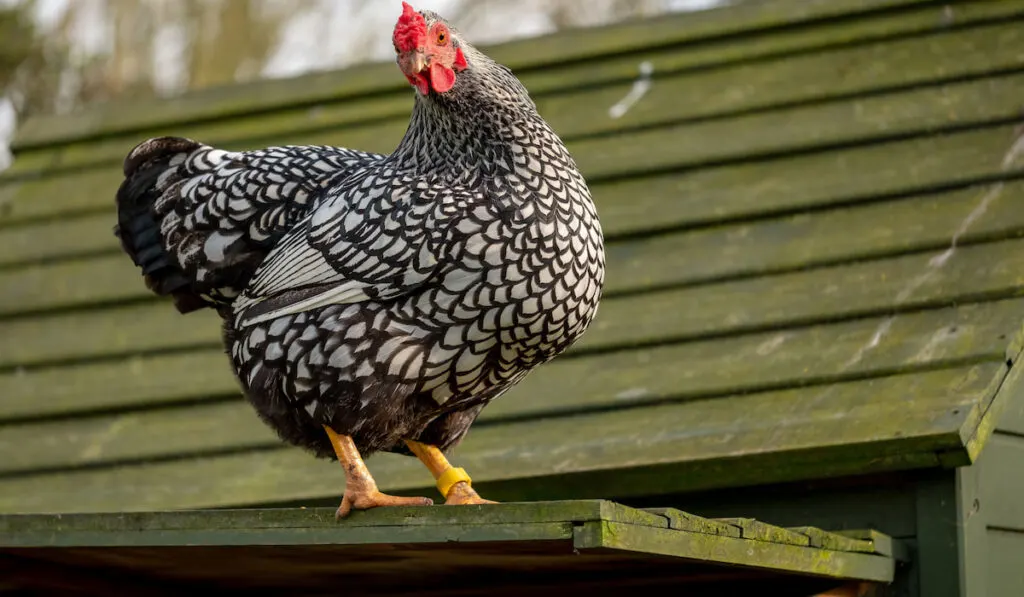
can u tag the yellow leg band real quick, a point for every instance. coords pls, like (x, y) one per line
(450, 477)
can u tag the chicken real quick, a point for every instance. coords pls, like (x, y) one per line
(377, 303)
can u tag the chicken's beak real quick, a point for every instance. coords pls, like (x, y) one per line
(413, 63)
(417, 62)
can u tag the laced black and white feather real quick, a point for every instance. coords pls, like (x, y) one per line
(385, 295)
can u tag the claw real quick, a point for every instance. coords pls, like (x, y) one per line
(461, 494)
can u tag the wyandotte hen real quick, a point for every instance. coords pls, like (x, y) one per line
(379, 302)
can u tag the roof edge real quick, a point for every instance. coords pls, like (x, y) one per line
(1007, 388)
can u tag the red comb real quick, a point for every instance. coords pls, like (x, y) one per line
(410, 31)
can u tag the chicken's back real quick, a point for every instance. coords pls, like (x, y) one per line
(198, 220)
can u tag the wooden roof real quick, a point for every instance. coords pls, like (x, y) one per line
(542, 547)
(814, 253)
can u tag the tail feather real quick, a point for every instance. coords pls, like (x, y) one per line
(137, 227)
(198, 220)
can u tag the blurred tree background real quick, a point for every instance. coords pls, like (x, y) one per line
(59, 55)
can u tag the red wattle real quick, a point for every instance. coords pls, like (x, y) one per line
(442, 78)
(421, 83)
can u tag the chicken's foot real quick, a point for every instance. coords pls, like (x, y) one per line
(361, 491)
(453, 483)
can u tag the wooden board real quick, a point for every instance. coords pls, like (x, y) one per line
(579, 46)
(970, 273)
(833, 123)
(786, 84)
(579, 112)
(1001, 482)
(1011, 420)
(814, 271)
(887, 423)
(1004, 574)
(397, 550)
(712, 369)
(724, 252)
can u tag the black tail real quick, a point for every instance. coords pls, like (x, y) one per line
(137, 226)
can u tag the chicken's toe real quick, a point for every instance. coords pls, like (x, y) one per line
(364, 500)
(462, 494)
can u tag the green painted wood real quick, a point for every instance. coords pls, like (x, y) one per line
(835, 541)
(722, 90)
(72, 237)
(704, 369)
(940, 515)
(584, 45)
(589, 114)
(883, 502)
(387, 550)
(831, 122)
(685, 258)
(712, 194)
(863, 288)
(1002, 484)
(985, 420)
(141, 381)
(1012, 418)
(971, 529)
(1004, 571)
(356, 535)
(880, 544)
(759, 531)
(683, 521)
(786, 435)
(125, 330)
(730, 192)
(870, 287)
(140, 528)
(738, 552)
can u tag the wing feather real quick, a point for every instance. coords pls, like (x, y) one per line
(378, 241)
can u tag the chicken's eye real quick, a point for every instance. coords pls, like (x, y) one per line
(442, 38)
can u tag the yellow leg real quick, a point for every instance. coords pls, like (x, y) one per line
(453, 483)
(361, 491)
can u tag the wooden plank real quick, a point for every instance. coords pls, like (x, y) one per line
(793, 242)
(141, 528)
(683, 521)
(985, 419)
(836, 121)
(738, 552)
(1001, 482)
(1005, 575)
(759, 531)
(692, 445)
(728, 192)
(140, 381)
(732, 191)
(834, 541)
(577, 112)
(939, 549)
(114, 332)
(863, 288)
(695, 370)
(746, 134)
(881, 544)
(58, 239)
(882, 502)
(858, 289)
(567, 46)
(1012, 418)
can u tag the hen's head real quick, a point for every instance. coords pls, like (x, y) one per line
(429, 53)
